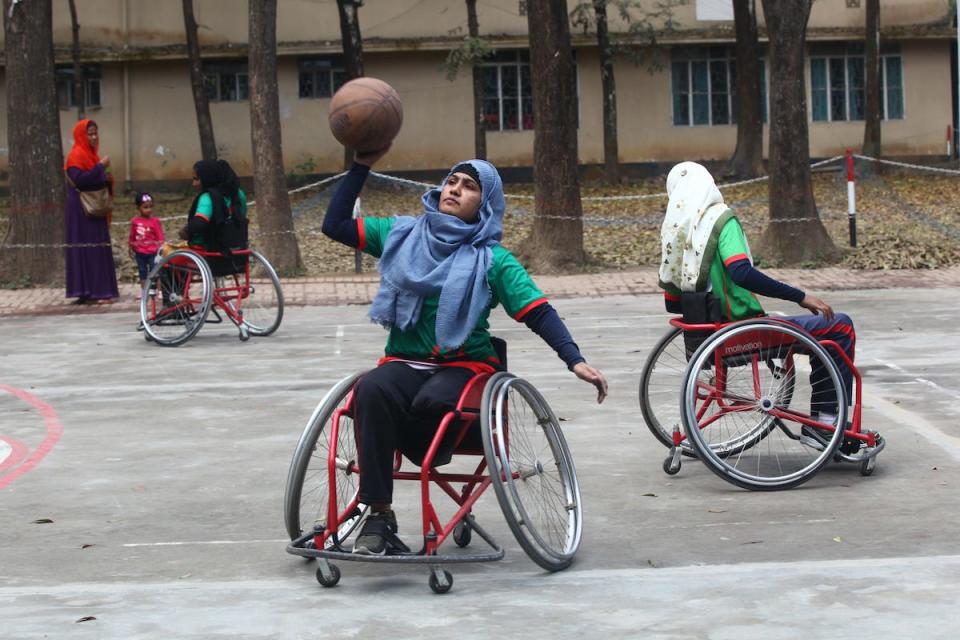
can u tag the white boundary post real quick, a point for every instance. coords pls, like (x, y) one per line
(357, 255)
(851, 200)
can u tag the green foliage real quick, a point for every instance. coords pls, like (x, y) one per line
(639, 44)
(22, 282)
(471, 52)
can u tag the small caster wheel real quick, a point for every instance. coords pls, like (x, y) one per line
(244, 334)
(332, 580)
(147, 337)
(669, 467)
(435, 583)
(462, 534)
(867, 466)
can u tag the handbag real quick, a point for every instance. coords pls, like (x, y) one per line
(97, 203)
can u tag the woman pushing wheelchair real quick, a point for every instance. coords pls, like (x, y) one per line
(441, 274)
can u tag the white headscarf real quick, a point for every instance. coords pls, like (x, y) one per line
(695, 206)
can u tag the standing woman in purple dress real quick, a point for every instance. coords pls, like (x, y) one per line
(91, 275)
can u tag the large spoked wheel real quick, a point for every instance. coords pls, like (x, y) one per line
(752, 397)
(261, 298)
(532, 471)
(308, 487)
(660, 383)
(177, 298)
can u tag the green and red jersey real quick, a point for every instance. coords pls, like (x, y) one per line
(510, 285)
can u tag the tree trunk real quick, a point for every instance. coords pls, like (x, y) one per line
(208, 145)
(747, 160)
(611, 160)
(274, 216)
(479, 126)
(352, 43)
(795, 233)
(554, 243)
(871, 72)
(78, 84)
(34, 147)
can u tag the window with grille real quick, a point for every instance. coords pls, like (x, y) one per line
(320, 77)
(837, 87)
(66, 89)
(704, 85)
(507, 93)
(226, 81)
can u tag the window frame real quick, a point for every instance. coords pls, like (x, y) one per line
(328, 67)
(521, 60)
(92, 76)
(706, 54)
(217, 71)
(847, 57)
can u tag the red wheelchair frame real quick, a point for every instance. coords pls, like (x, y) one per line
(189, 289)
(757, 343)
(483, 404)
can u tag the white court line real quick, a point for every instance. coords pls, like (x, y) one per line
(339, 337)
(189, 543)
(930, 383)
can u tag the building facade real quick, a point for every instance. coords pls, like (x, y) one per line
(138, 86)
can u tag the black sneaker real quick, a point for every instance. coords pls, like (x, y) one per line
(379, 532)
(850, 446)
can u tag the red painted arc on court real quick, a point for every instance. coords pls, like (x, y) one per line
(18, 462)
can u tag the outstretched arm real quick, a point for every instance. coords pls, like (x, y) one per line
(546, 323)
(751, 278)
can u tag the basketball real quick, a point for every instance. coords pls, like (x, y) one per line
(365, 114)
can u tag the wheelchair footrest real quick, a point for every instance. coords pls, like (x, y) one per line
(302, 546)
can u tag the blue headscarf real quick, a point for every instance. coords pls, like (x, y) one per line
(437, 253)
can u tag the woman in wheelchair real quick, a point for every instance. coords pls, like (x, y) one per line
(217, 220)
(704, 249)
(441, 274)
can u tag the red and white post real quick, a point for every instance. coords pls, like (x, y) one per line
(357, 254)
(851, 199)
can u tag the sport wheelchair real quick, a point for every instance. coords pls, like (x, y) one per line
(524, 456)
(185, 286)
(749, 403)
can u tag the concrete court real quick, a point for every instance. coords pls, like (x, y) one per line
(165, 493)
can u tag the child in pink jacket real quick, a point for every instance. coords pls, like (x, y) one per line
(146, 236)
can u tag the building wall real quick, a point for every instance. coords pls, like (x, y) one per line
(163, 140)
(381, 21)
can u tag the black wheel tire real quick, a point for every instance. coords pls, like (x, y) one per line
(462, 534)
(334, 577)
(868, 466)
(668, 468)
(435, 586)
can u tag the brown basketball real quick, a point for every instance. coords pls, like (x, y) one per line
(365, 114)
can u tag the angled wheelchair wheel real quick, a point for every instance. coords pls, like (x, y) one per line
(261, 302)
(752, 396)
(177, 298)
(532, 471)
(660, 384)
(306, 497)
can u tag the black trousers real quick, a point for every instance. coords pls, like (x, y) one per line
(399, 407)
